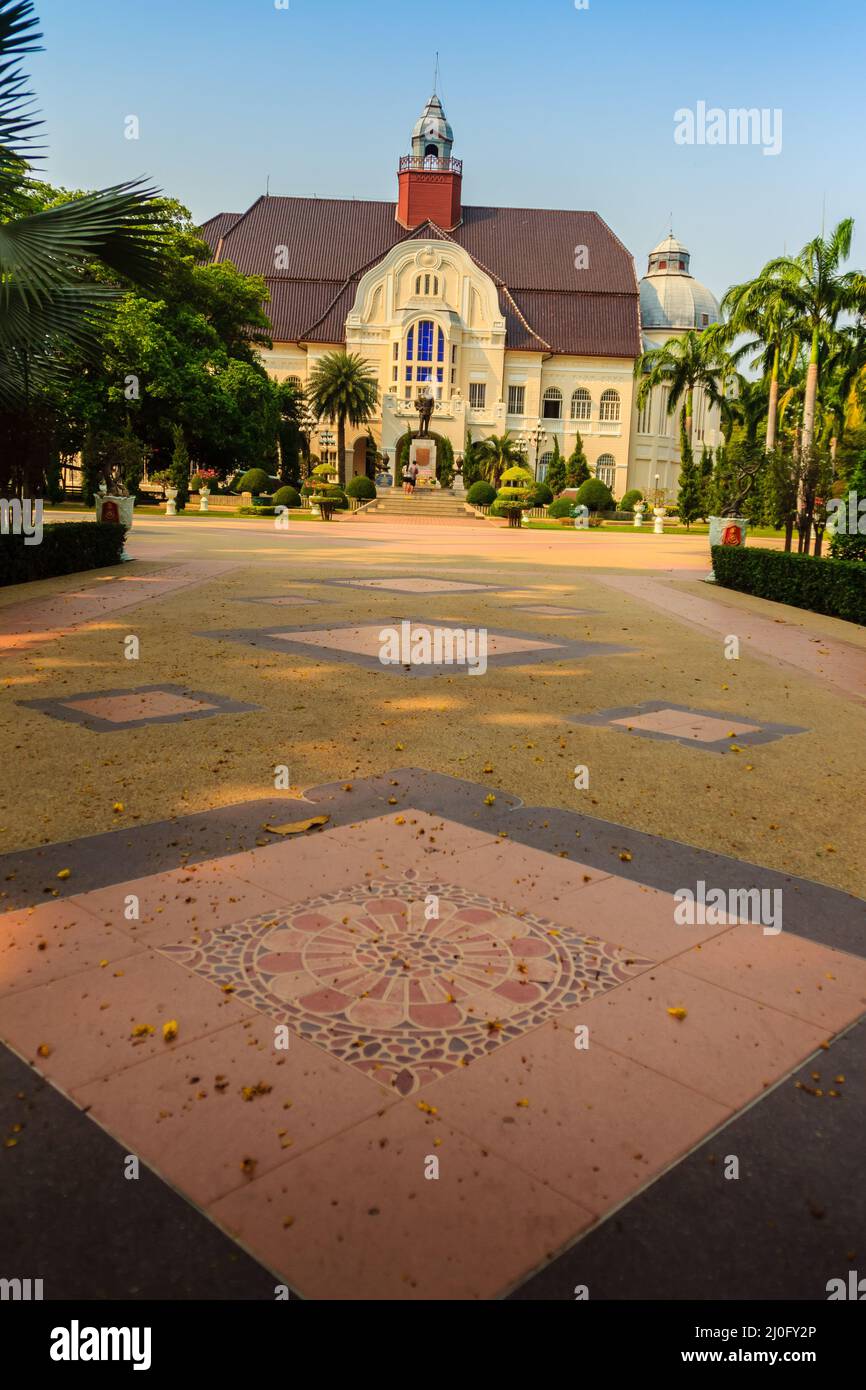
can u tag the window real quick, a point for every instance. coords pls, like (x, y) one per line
(477, 394)
(425, 344)
(294, 382)
(663, 265)
(543, 464)
(609, 408)
(644, 420)
(605, 470)
(552, 403)
(682, 265)
(396, 352)
(516, 399)
(705, 318)
(427, 284)
(581, 404)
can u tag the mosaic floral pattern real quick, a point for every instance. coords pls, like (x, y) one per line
(407, 979)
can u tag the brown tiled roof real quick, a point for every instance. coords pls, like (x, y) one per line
(216, 227)
(548, 305)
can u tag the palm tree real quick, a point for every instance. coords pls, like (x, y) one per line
(759, 307)
(342, 387)
(746, 407)
(497, 453)
(696, 361)
(817, 293)
(49, 298)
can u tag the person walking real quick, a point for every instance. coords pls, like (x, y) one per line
(411, 475)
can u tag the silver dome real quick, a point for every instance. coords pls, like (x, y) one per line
(670, 297)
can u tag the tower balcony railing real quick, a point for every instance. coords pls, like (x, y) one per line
(430, 163)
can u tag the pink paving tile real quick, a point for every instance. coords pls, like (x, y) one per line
(705, 729)
(185, 1114)
(416, 584)
(176, 905)
(595, 1126)
(153, 704)
(418, 840)
(661, 721)
(525, 878)
(87, 1020)
(365, 639)
(797, 976)
(357, 1219)
(45, 943)
(631, 915)
(727, 1047)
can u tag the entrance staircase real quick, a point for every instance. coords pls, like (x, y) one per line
(435, 507)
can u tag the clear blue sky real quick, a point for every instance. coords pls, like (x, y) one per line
(551, 107)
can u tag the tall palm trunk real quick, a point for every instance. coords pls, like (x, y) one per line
(811, 396)
(773, 403)
(341, 449)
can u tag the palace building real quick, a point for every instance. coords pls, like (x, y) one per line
(518, 319)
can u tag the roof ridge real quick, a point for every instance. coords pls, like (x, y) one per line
(242, 218)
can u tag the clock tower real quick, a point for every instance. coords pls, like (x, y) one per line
(431, 181)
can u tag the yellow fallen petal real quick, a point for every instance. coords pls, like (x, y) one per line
(297, 827)
(677, 1013)
(169, 1030)
(64, 873)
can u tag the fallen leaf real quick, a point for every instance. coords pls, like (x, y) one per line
(297, 827)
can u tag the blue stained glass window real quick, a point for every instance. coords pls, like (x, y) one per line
(425, 341)
(408, 373)
(425, 373)
(410, 342)
(438, 373)
(440, 352)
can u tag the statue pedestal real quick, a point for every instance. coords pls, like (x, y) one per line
(457, 485)
(423, 453)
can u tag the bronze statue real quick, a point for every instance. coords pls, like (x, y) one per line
(425, 405)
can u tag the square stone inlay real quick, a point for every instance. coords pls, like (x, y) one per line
(708, 728)
(364, 974)
(361, 643)
(550, 610)
(281, 600)
(105, 711)
(414, 584)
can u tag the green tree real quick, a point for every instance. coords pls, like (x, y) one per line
(577, 468)
(690, 502)
(816, 293)
(52, 305)
(850, 543)
(556, 470)
(343, 387)
(760, 308)
(495, 454)
(180, 467)
(696, 361)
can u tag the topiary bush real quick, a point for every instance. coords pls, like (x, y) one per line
(255, 480)
(335, 492)
(595, 495)
(362, 487)
(481, 494)
(561, 507)
(633, 496)
(835, 587)
(287, 497)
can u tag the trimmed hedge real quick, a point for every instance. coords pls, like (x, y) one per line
(287, 496)
(66, 548)
(834, 587)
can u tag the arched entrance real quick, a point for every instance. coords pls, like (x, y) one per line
(359, 458)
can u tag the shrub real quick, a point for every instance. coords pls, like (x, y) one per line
(561, 507)
(362, 487)
(334, 491)
(481, 494)
(834, 587)
(254, 480)
(540, 495)
(633, 496)
(595, 495)
(66, 548)
(287, 497)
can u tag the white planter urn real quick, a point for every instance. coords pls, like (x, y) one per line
(203, 497)
(727, 530)
(171, 504)
(659, 522)
(638, 514)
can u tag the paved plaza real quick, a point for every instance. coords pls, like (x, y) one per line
(407, 980)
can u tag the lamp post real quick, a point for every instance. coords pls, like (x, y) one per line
(326, 441)
(536, 436)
